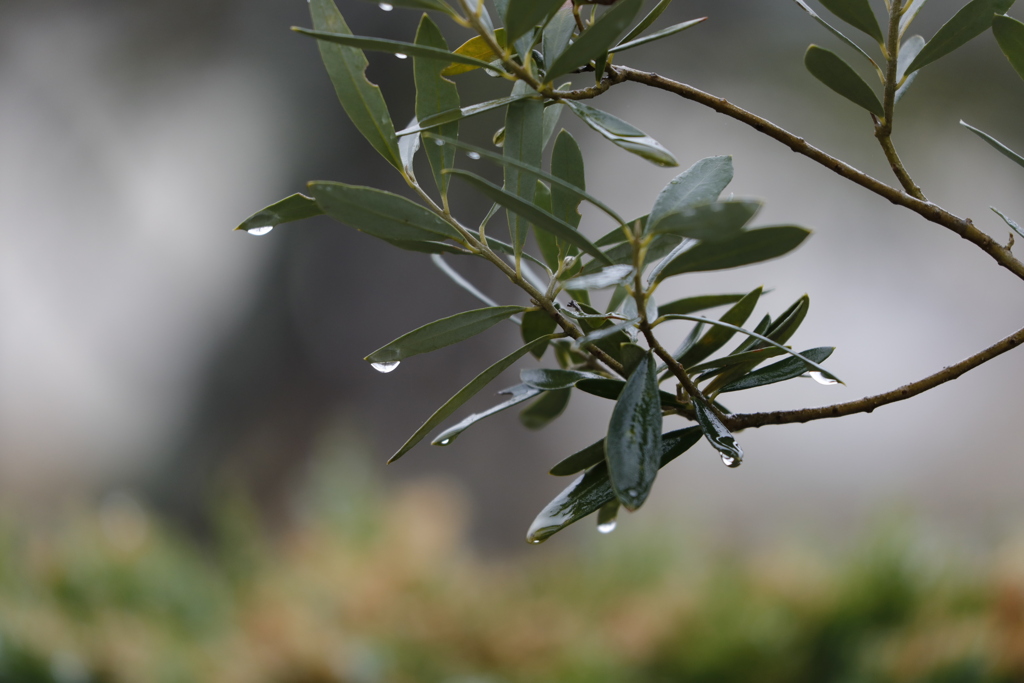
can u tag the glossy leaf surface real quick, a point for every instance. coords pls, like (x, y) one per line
(1003, 149)
(435, 94)
(657, 35)
(379, 213)
(419, 4)
(1009, 34)
(830, 69)
(548, 407)
(547, 379)
(361, 99)
(608, 276)
(1009, 221)
(611, 389)
(909, 14)
(717, 434)
(911, 47)
(596, 40)
(781, 371)
(971, 21)
(748, 247)
(458, 114)
(292, 208)
(467, 392)
(519, 394)
(633, 445)
(442, 333)
(856, 13)
(702, 183)
(593, 489)
(623, 134)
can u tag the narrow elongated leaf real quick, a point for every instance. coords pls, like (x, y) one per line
(459, 114)
(609, 276)
(557, 33)
(702, 183)
(596, 40)
(547, 379)
(546, 242)
(611, 389)
(971, 21)
(713, 222)
(858, 14)
(519, 394)
(580, 460)
(435, 94)
(552, 113)
(407, 148)
(419, 4)
(535, 215)
(658, 35)
(548, 407)
(567, 164)
(830, 69)
(476, 48)
(698, 303)
(717, 434)
(781, 371)
(467, 392)
(624, 135)
(647, 21)
(632, 355)
(1003, 149)
(718, 336)
(713, 367)
(442, 333)
(603, 333)
(292, 208)
(909, 14)
(633, 445)
(1009, 34)
(752, 246)
(522, 15)
(1009, 221)
(839, 34)
(537, 324)
(465, 284)
(591, 491)
(911, 47)
(524, 123)
(361, 99)
(422, 51)
(379, 213)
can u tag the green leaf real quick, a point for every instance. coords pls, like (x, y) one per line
(911, 47)
(752, 246)
(839, 34)
(709, 222)
(1009, 221)
(524, 123)
(379, 213)
(606, 277)
(548, 407)
(663, 33)
(698, 303)
(442, 333)
(557, 33)
(623, 134)
(523, 15)
(292, 208)
(595, 41)
(781, 371)
(718, 336)
(830, 69)
(519, 394)
(547, 379)
(611, 389)
(419, 4)
(603, 333)
(632, 355)
(580, 460)
(971, 21)
(396, 47)
(477, 48)
(467, 392)
(909, 14)
(593, 490)
(717, 434)
(546, 242)
(464, 283)
(702, 183)
(435, 94)
(361, 99)
(714, 367)
(552, 113)
(534, 214)
(459, 114)
(633, 445)
(567, 164)
(647, 21)
(1003, 149)
(1009, 34)
(537, 324)
(858, 14)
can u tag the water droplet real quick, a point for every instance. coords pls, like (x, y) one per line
(444, 442)
(633, 493)
(820, 378)
(262, 230)
(387, 7)
(385, 366)
(730, 460)
(401, 55)
(607, 527)
(439, 143)
(473, 155)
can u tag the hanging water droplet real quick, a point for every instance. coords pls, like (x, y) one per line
(444, 442)
(261, 230)
(385, 366)
(820, 378)
(607, 527)
(607, 517)
(401, 55)
(387, 7)
(473, 155)
(730, 460)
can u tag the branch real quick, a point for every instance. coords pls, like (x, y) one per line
(868, 404)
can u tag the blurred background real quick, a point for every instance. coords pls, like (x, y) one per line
(182, 406)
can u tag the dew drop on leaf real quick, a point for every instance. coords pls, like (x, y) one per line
(385, 366)
(473, 155)
(439, 143)
(820, 378)
(401, 55)
(444, 442)
(387, 7)
(261, 230)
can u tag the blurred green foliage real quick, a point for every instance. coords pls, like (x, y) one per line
(360, 591)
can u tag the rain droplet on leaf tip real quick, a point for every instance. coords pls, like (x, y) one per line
(607, 527)
(385, 366)
(444, 442)
(820, 378)
(260, 230)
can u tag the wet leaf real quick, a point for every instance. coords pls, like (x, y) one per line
(611, 389)
(858, 14)
(596, 40)
(633, 445)
(379, 213)
(593, 489)
(361, 99)
(580, 460)
(781, 371)
(545, 409)
(712, 222)
(713, 367)
(467, 392)
(292, 208)
(702, 183)
(1009, 34)
(718, 336)
(971, 21)
(830, 69)
(608, 276)
(423, 51)
(519, 394)
(419, 4)
(658, 35)
(442, 333)
(435, 94)
(698, 303)
(547, 379)
(717, 434)
(624, 135)
(752, 246)
(1003, 149)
